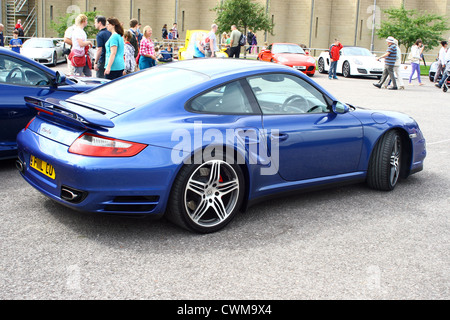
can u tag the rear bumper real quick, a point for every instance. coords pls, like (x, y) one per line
(137, 186)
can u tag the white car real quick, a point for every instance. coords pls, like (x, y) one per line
(354, 61)
(44, 50)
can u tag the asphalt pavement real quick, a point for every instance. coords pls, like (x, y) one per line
(343, 243)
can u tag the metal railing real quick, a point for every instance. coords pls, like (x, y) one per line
(19, 4)
(30, 21)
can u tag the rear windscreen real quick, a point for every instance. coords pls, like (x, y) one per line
(140, 89)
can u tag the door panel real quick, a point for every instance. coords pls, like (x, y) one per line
(310, 140)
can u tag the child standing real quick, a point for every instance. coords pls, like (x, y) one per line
(130, 60)
(15, 44)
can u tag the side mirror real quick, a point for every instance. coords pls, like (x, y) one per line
(340, 108)
(58, 79)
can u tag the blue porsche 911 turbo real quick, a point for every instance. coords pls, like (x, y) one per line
(200, 140)
(21, 76)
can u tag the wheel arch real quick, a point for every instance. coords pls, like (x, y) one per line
(405, 167)
(238, 158)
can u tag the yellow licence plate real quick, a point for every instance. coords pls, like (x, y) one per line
(43, 167)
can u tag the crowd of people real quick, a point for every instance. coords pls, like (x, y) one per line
(230, 43)
(119, 51)
(392, 64)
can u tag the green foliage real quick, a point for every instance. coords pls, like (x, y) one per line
(244, 14)
(69, 19)
(409, 25)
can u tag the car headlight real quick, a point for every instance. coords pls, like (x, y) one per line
(282, 60)
(358, 62)
(311, 60)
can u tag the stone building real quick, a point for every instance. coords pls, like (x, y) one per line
(314, 23)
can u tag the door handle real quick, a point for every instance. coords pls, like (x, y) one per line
(281, 136)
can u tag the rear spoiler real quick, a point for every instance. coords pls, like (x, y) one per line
(78, 115)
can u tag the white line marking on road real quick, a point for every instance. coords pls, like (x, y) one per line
(438, 142)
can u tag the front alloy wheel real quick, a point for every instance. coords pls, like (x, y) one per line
(206, 197)
(321, 66)
(385, 163)
(346, 69)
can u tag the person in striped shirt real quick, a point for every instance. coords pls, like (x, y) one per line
(389, 62)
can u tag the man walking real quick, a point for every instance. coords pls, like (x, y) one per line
(445, 73)
(235, 47)
(211, 42)
(134, 41)
(335, 54)
(102, 37)
(441, 61)
(390, 58)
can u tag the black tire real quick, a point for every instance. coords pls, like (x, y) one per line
(205, 197)
(346, 70)
(321, 66)
(385, 162)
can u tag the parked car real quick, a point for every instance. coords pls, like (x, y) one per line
(193, 36)
(354, 61)
(21, 76)
(433, 70)
(199, 151)
(291, 55)
(44, 50)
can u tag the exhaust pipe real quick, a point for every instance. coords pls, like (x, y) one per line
(72, 195)
(20, 165)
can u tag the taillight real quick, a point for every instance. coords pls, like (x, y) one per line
(26, 127)
(97, 146)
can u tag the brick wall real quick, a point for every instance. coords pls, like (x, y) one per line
(295, 21)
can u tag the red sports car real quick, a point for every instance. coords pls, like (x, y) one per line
(291, 55)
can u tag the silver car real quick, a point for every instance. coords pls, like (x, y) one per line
(44, 50)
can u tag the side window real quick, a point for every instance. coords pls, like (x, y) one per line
(17, 72)
(287, 94)
(228, 99)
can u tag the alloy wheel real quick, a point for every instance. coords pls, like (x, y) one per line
(395, 162)
(211, 193)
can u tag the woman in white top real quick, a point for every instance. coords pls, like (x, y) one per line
(79, 44)
(415, 56)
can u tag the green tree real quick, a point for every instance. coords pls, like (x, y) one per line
(244, 14)
(409, 25)
(69, 19)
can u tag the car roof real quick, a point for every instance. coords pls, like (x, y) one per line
(218, 67)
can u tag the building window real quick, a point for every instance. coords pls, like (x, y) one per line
(51, 13)
(317, 26)
(360, 30)
(182, 20)
(139, 15)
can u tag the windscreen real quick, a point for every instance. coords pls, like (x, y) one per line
(38, 43)
(287, 48)
(357, 52)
